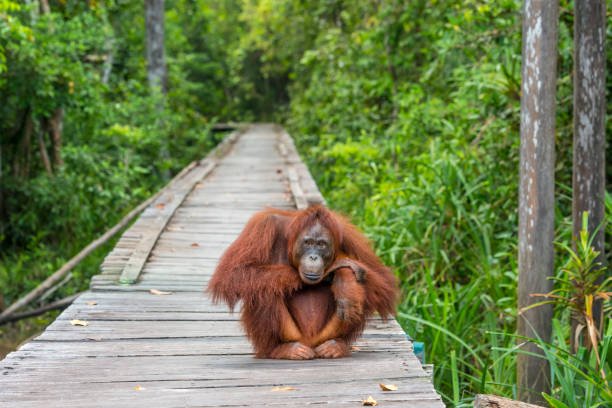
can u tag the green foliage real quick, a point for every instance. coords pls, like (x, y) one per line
(88, 60)
(577, 377)
(580, 378)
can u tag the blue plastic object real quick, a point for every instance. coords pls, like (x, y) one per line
(419, 350)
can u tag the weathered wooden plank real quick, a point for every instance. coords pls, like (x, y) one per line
(166, 209)
(298, 194)
(110, 285)
(137, 395)
(152, 314)
(181, 346)
(145, 231)
(236, 370)
(113, 330)
(295, 187)
(307, 183)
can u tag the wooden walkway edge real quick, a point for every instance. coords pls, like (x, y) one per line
(140, 349)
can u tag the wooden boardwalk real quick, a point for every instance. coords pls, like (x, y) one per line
(140, 349)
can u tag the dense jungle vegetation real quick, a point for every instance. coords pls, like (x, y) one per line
(407, 113)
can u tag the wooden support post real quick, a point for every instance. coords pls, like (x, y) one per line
(589, 179)
(536, 189)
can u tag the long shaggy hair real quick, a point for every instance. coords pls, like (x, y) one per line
(258, 269)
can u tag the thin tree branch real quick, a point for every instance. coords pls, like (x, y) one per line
(58, 304)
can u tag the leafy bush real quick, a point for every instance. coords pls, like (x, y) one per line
(118, 146)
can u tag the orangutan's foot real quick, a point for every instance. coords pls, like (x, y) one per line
(293, 351)
(334, 348)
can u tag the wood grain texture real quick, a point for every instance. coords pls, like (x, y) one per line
(177, 350)
(164, 207)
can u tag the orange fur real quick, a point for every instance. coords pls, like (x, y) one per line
(259, 270)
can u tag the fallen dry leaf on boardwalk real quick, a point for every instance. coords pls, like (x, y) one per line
(159, 292)
(388, 387)
(285, 388)
(370, 402)
(77, 322)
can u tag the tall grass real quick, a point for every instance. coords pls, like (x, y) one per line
(441, 224)
(474, 347)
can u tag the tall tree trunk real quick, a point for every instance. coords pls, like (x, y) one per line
(536, 189)
(156, 64)
(33, 10)
(110, 59)
(2, 223)
(44, 156)
(54, 124)
(44, 6)
(57, 124)
(27, 143)
(589, 179)
(21, 159)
